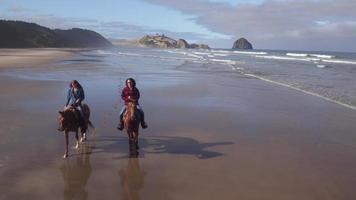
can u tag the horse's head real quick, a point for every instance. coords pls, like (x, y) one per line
(61, 121)
(64, 119)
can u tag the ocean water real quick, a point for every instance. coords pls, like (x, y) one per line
(328, 75)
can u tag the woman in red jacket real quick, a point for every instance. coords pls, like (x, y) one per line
(131, 93)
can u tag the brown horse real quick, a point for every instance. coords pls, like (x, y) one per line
(131, 125)
(69, 122)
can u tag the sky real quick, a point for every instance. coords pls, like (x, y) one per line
(318, 25)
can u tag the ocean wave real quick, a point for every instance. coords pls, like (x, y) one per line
(169, 51)
(297, 54)
(187, 54)
(340, 61)
(201, 53)
(220, 54)
(102, 52)
(193, 55)
(240, 52)
(323, 56)
(310, 55)
(128, 54)
(230, 62)
(250, 52)
(158, 57)
(289, 58)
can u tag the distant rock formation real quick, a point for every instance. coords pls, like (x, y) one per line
(162, 41)
(182, 44)
(159, 41)
(18, 34)
(242, 43)
(199, 46)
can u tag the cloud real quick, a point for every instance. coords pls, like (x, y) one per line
(19, 9)
(281, 24)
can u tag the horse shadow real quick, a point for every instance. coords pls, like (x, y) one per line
(161, 145)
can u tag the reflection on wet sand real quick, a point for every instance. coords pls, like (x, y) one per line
(76, 172)
(132, 179)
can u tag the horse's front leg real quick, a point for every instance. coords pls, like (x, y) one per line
(66, 144)
(131, 141)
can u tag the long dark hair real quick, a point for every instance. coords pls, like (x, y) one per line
(75, 82)
(132, 80)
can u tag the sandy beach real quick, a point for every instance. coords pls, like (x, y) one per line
(32, 57)
(210, 136)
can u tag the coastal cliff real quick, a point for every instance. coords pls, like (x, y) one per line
(19, 34)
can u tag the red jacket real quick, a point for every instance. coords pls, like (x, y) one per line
(134, 94)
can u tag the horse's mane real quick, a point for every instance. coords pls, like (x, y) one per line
(131, 108)
(69, 114)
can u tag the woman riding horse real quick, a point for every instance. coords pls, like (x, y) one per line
(131, 94)
(75, 114)
(75, 96)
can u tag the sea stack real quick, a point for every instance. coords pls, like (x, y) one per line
(182, 44)
(242, 43)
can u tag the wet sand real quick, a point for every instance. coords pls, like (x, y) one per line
(209, 137)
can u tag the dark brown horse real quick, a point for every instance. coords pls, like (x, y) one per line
(131, 125)
(69, 122)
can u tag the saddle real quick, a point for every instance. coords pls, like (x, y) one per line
(77, 114)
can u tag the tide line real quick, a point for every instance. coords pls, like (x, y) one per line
(306, 92)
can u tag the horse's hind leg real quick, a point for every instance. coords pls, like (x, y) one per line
(84, 137)
(77, 142)
(83, 132)
(136, 140)
(66, 144)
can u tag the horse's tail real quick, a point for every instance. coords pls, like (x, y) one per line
(86, 111)
(91, 124)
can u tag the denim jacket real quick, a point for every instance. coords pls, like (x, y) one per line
(75, 97)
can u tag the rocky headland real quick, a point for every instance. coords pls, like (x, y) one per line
(162, 41)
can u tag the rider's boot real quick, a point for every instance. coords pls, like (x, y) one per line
(143, 123)
(120, 126)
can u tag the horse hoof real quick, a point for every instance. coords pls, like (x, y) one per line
(77, 146)
(83, 139)
(65, 155)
